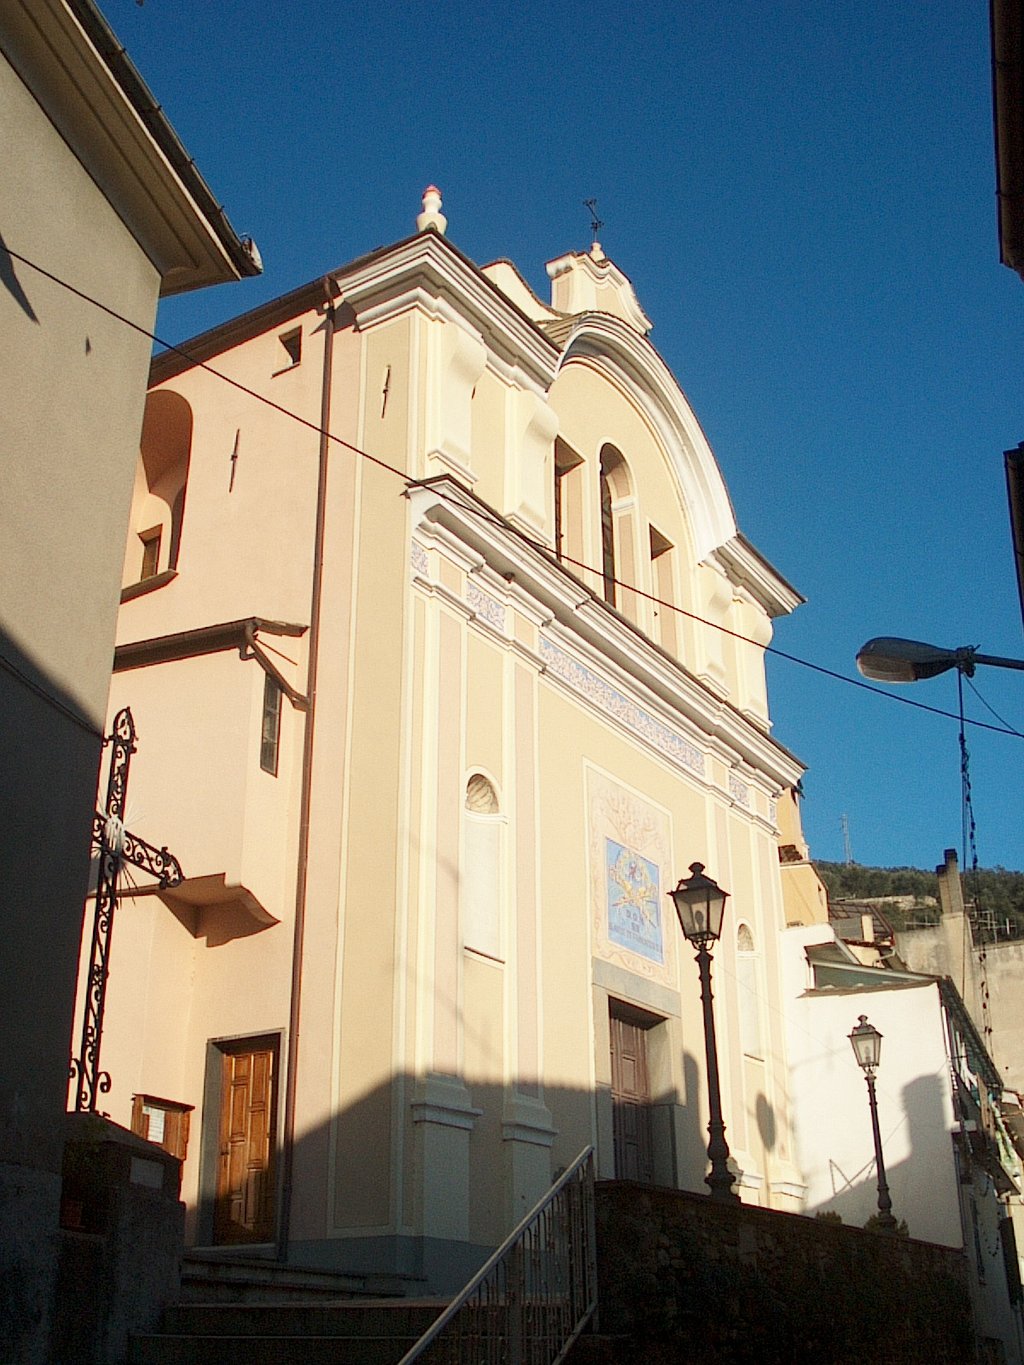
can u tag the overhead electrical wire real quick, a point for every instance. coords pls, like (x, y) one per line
(494, 519)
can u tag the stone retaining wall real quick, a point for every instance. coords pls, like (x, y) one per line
(683, 1277)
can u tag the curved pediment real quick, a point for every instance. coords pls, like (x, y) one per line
(632, 364)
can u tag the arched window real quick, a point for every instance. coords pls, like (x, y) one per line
(749, 1001)
(481, 868)
(615, 485)
(159, 502)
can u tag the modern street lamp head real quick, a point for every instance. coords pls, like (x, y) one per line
(892, 660)
(700, 905)
(866, 1042)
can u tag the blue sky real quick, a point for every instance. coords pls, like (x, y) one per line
(804, 198)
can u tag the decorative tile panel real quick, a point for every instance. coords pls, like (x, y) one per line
(739, 791)
(485, 606)
(614, 703)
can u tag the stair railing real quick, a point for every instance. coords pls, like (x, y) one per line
(531, 1299)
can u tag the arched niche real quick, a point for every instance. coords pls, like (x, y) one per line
(161, 482)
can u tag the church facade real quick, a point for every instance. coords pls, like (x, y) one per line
(445, 656)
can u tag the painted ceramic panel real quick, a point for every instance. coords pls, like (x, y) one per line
(633, 888)
(629, 843)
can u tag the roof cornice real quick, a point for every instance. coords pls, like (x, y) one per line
(602, 631)
(427, 266)
(381, 284)
(748, 568)
(81, 76)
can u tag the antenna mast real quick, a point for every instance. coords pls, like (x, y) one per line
(595, 223)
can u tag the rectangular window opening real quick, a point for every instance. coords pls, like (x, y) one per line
(150, 551)
(270, 733)
(292, 343)
(568, 470)
(664, 616)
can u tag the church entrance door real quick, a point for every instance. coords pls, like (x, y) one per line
(245, 1198)
(631, 1101)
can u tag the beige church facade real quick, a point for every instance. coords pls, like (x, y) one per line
(419, 717)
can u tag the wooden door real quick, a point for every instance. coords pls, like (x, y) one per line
(245, 1200)
(631, 1101)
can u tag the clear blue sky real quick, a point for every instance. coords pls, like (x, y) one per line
(803, 196)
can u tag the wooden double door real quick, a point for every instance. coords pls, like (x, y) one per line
(631, 1099)
(245, 1202)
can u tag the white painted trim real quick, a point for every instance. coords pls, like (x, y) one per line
(587, 627)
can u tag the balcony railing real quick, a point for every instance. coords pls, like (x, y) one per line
(532, 1298)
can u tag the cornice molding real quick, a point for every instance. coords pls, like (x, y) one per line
(426, 272)
(747, 568)
(578, 623)
(79, 74)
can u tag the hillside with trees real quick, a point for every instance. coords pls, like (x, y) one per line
(999, 894)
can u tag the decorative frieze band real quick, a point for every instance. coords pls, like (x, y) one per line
(485, 606)
(614, 703)
(418, 561)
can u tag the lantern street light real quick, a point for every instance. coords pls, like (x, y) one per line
(700, 905)
(891, 660)
(866, 1042)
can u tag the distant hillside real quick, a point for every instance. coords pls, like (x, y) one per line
(999, 893)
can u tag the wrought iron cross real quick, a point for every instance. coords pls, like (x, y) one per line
(117, 846)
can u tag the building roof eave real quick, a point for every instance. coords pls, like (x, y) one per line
(81, 76)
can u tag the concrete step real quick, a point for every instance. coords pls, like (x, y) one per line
(594, 1349)
(212, 1277)
(160, 1349)
(344, 1318)
(346, 1332)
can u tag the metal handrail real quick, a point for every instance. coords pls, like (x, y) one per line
(530, 1300)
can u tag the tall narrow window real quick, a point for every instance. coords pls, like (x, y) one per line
(750, 1005)
(618, 552)
(568, 503)
(661, 578)
(150, 551)
(607, 538)
(270, 733)
(481, 879)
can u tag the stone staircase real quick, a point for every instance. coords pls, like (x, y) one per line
(238, 1312)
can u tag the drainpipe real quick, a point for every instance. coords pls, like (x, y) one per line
(295, 1008)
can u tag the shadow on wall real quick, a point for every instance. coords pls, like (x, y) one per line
(9, 280)
(917, 1182)
(469, 1171)
(473, 1164)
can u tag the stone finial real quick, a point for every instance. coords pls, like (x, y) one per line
(431, 217)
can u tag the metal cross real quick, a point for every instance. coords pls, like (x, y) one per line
(117, 846)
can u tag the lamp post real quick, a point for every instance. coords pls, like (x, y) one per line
(866, 1042)
(700, 905)
(891, 660)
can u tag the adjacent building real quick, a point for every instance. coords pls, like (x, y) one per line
(103, 213)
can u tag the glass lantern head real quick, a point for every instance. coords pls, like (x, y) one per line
(700, 905)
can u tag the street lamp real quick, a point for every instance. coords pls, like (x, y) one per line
(700, 905)
(891, 660)
(866, 1042)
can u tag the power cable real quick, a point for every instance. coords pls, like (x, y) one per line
(992, 710)
(493, 518)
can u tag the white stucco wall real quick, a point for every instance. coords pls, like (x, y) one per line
(831, 1117)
